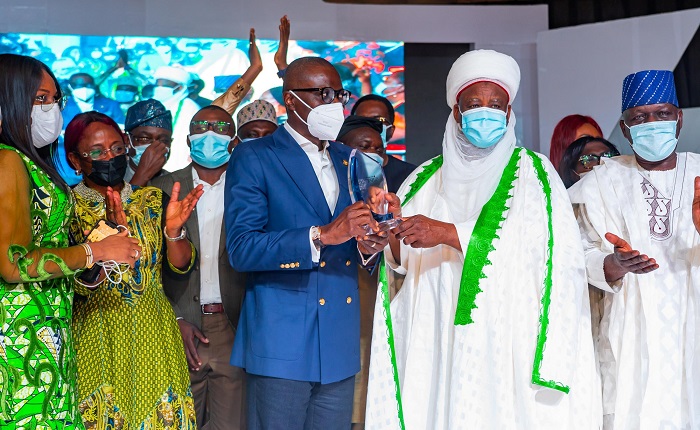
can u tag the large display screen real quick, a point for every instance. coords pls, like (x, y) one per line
(123, 66)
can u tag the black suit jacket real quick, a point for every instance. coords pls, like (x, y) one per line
(396, 171)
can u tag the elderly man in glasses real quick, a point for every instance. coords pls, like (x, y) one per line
(637, 215)
(149, 134)
(290, 224)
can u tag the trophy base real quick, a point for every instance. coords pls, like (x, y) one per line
(384, 225)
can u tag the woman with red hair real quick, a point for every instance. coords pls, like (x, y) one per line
(132, 371)
(570, 128)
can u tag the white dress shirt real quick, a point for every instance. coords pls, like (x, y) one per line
(325, 173)
(210, 215)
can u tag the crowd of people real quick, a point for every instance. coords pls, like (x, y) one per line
(228, 279)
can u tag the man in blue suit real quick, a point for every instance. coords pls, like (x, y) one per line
(85, 97)
(290, 225)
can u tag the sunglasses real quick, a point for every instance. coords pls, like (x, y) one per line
(589, 161)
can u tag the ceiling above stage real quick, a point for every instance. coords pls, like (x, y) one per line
(563, 13)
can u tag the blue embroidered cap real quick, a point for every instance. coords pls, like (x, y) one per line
(148, 113)
(648, 87)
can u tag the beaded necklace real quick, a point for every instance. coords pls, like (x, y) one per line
(93, 196)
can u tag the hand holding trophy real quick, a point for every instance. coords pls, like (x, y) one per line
(367, 183)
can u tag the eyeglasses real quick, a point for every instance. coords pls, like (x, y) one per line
(328, 94)
(137, 141)
(216, 126)
(384, 121)
(101, 154)
(589, 161)
(47, 105)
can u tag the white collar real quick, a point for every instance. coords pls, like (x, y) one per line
(197, 180)
(301, 140)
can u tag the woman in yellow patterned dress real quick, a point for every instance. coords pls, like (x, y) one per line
(37, 358)
(132, 372)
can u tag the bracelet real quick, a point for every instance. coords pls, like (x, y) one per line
(89, 258)
(182, 235)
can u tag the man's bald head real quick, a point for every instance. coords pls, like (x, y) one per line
(299, 71)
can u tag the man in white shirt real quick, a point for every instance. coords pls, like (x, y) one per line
(290, 224)
(642, 251)
(208, 304)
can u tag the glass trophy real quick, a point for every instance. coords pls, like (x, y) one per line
(367, 183)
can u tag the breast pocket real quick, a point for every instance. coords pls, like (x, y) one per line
(280, 318)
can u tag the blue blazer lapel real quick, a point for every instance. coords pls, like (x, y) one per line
(340, 163)
(299, 168)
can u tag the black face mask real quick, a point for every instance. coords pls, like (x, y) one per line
(108, 173)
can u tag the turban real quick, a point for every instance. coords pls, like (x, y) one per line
(353, 122)
(175, 74)
(148, 113)
(470, 174)
(479, 66)
(648, 87)
(259, 110)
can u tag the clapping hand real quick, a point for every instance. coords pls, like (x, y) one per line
(115, 210)
(178, 211)
(281, 54)
(254, 52)
(624, 259)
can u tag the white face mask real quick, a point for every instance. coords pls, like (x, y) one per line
(324, 121)
(163, 94)
(84, 94)
(46, 126)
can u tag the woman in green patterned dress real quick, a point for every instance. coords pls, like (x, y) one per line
(132, 372)
(37, 358)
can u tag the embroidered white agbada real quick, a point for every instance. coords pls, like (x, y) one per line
(649, 344)
(527, 342)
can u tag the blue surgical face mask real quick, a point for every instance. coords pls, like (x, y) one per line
(124, 96)
(654, 141)
(484, 127)
(136, 159)
(383, 134)
(210, 149)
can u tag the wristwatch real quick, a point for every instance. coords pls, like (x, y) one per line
(316, 237)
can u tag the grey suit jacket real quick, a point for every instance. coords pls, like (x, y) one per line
(184, 294)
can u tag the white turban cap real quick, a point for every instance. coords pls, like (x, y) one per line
(175, 74)
(479, 66)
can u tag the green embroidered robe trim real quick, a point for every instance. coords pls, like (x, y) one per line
(422, 177)
(543, 177)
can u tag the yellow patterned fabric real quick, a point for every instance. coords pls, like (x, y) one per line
(132, 372)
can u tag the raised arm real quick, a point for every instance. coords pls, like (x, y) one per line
(281, 54)
(233, 96)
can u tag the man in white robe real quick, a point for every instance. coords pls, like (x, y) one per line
(489, 327)
(642, 250)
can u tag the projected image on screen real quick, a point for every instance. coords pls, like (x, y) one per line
(123, 67)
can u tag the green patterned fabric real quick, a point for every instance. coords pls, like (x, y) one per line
(37, 359)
